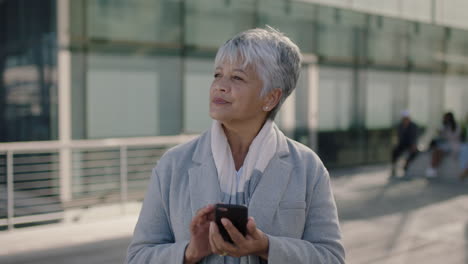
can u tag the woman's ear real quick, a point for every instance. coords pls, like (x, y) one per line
(272, 99)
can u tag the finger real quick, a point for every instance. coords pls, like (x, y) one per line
(200, 218)
(235, 235)
(252, 229)
(202, 213)
(205, 210)
(210, 215)
(213, 245)
(218, 241)
(215, 235)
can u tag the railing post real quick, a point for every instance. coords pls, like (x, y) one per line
(123, 177)
(10, 191)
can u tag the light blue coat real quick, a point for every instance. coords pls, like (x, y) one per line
(292, 203)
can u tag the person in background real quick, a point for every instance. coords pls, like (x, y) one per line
(243, 159)
(463, 157)
(407, 141)
(448, 142)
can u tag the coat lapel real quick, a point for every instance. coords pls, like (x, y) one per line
(268, 194)
(203, 178)
(269, 191)
(204, 187)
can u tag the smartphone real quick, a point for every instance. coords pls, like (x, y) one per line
(237, 214)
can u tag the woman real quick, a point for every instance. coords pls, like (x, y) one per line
(243, 159)
(447, 142)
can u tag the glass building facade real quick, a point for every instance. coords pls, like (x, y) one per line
(28, 87)
(144, 67)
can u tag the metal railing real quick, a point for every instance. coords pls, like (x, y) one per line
(32, 185)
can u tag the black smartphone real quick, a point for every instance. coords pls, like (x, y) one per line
(237, 214)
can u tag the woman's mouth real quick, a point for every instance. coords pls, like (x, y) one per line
(218, 100)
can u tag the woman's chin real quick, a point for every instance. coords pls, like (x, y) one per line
(219, 116)
(219, 119)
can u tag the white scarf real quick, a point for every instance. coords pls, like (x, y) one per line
(261, 151)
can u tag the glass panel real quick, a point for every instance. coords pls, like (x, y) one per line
(425, 102)
(209, 23)
(456, 55)
(426, 44)
(387, 41)
(335, 85)
(301, 107)
(135, 21)
(419, 98)
(131, 96)
(335, 38)
(386, 97)
(456, 95)
(28, 87)
(78, 93)
(295, 19)
(197, 82)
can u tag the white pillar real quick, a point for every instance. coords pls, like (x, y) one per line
(312, 115)
(64, 97)
(288, 115)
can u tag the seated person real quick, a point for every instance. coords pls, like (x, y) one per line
(407, 140)
(447, 142)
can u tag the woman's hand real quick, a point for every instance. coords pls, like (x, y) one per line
(254, 243)
(199, 246)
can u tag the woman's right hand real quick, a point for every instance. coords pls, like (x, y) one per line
(199, 245)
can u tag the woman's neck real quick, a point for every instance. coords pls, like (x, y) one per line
(240, 138)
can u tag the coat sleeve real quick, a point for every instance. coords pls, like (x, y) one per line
(153, 239)
(321, 240)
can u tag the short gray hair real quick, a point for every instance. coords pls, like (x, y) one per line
(273, 55)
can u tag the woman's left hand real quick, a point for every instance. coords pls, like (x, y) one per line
(254, 243)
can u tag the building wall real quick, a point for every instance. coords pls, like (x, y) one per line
(28, 87)
(440, 12)
(143, 67)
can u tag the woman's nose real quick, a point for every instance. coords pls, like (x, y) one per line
(221, 85)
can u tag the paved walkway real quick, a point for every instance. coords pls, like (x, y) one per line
(383, 221)
(398, 221)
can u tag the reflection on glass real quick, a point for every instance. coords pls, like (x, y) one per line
(28, 97)
(134, 21)
(129, 96)
(209, 23)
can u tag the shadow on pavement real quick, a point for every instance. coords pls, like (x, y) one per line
(370, 193)
(466, 243)
(106, 251)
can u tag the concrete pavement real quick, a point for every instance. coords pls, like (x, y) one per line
(383, 221)
(398, 221)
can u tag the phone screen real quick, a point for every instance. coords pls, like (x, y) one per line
(237, 214)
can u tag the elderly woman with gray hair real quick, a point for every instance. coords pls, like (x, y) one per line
(243, 159)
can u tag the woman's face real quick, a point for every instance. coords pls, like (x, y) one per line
(235, 94)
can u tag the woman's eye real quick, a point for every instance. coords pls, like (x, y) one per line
(237, 78)
(216, 75)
